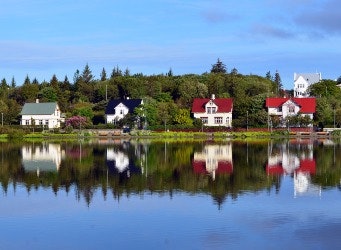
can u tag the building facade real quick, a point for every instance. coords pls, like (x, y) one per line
(213, 111)
(303, 81)
(119, 108)
(45, 114)
(283, 107)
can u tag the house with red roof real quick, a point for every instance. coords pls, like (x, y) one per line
(284, 107)
(213, 111)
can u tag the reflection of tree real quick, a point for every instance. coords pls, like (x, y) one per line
(165, 167)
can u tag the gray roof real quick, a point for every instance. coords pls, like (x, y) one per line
(311, 78)
(46, 108)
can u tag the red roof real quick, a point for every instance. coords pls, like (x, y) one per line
(225, 105)
(307, 105)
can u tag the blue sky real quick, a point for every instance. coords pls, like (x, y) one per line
(40, 38)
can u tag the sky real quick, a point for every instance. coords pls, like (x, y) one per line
(40, 38)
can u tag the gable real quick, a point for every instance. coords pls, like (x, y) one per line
(224, 105)
(47, 108)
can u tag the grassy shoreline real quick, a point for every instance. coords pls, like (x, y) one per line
(166, 135)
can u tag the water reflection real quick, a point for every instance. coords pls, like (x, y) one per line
(213, 159)
(221, 170)
(119, 162)
(45, 157)
(294, 158)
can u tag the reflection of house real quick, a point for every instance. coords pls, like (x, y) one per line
(214, 159)
(42, 158)
(117, 109)
(299, 165)
(41, 114)
(303, 81)
(214, 111)
(284, 107)
(118, 162)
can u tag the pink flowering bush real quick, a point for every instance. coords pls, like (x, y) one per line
(76, 121)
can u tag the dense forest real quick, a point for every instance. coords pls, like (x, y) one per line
(167, 97)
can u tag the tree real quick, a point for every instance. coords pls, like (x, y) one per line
(218, 67)
(278, 82)
(170, 72)
(103, 75)
(127, 72)
(76, 121)
(234, 71)
(269, 76)
(116, 72)
(13, 83)
(27, 80)
(48, 94)
(87, 76)
(54, 83)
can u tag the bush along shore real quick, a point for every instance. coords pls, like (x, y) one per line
(10, 133)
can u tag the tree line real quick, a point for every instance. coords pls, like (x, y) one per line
(167, 97)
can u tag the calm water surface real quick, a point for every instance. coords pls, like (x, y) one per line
(170, 195)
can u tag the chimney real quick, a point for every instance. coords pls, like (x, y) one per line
(37, 100)
(213, 96)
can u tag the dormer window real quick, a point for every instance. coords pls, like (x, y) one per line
(209, 110)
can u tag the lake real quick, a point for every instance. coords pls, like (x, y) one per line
(145, 194)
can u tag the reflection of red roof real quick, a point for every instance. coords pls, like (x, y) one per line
(274, 169)
(224, 105)
(306, 166)
(307, 105)
(199, 167)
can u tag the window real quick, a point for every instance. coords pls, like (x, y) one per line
(209, 110)
(204, 120)
(27, 122)
(218, 120)
(121, 112)
(40, 122)
(46, 122)
(228, 120)
(280, 109)
(291, 109)
(214, 110)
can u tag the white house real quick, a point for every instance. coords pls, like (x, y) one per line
(213, 111)
(303, 81)
(117, 109)
(284, 107)
(45, 114)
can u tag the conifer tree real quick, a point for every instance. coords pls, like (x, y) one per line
(103, 75)
(218, 67)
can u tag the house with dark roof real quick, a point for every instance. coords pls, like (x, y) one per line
(119, 108)
(213, 111)
(284, 107)
(45, 114)
(302, 81)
